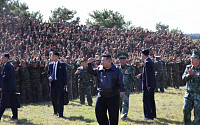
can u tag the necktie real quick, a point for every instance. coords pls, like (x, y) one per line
(54, 71)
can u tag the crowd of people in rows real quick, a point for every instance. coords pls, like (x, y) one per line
(31, 43)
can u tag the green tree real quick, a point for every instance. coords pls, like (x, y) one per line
(162, 27)
(64, 14)
(17, 9)
(175, 31)
(106, 18)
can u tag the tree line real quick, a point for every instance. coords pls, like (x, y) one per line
(105, 18)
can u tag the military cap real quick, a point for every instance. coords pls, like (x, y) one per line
(23, 61)
(195, 54)
(123, 55)
(68, 57)
(157, 57)
(15, 61)
(145, 52)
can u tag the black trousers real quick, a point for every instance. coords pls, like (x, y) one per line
(57, 98)
(107, 103)
(9, 99)
(149, 104)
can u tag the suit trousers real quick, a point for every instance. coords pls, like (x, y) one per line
(57, 98)
(107, 103)
(149, 106)
(9, 99)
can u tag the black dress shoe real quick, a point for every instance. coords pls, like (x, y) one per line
(14, 118)
(60, 116)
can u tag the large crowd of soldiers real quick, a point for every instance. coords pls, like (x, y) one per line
(33, 84)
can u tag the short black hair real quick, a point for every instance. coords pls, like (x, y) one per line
(6, 55)
(108, 56)
(145, 52)
(56, 53)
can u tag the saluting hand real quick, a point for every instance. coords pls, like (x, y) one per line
(190, 72)
(90, 60)
(77, 72)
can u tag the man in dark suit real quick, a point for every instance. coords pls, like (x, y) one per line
(148, 86)
(57, 75)
(8, 87)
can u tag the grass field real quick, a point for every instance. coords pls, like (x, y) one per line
(169, 111)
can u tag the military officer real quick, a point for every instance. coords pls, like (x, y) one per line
(192, 94)
(130, 82)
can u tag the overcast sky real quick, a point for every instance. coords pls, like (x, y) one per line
(184, 14)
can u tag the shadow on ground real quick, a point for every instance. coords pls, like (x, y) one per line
(81, 118)
(19, 121)
(159, 121)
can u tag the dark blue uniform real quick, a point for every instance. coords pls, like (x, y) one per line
(148, 80)
(57, 87)
(110, 84)
(8, 85)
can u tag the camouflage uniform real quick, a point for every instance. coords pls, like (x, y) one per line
(164, 74)
(75, 82)
(25, 85)
(36, 89)
(168, 70)
(44, 83)
(69, 68)
(129, 79)
(84, 84)
(17, 76)
(175, 75)
(192, 96)
(159, 76)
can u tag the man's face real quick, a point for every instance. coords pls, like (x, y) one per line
(23, 64)
(143, 56)
(54, 57)
(34, 64)
(84, 64)
(68, 60)
(123, 62)
(15, 64)
(4, 59)
(105, 62)
(195, 61)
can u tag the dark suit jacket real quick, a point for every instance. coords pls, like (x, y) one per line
(8, 78)
(61, 74)
(148, 74)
